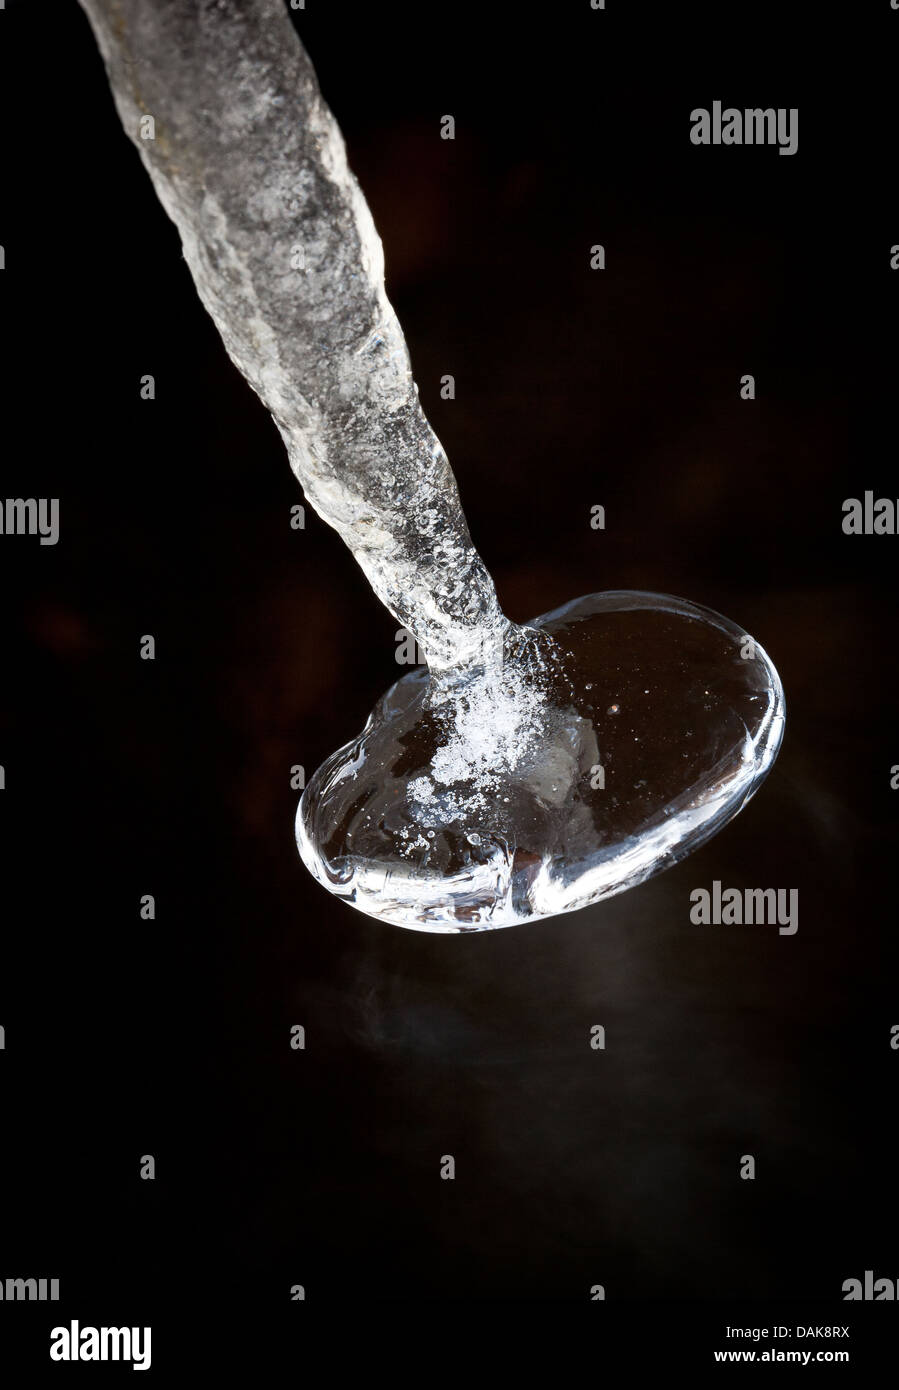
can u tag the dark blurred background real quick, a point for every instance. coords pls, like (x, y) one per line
(573, 387)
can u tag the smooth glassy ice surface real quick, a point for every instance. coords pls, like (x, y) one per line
(618, 733)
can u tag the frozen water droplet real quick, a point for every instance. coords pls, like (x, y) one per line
(550, 841)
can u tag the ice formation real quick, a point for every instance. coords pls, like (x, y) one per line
(532, 769)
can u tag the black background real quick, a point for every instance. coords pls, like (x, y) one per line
(574, 387)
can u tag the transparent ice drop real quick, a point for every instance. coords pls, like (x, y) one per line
(631, 736)
(531, 769)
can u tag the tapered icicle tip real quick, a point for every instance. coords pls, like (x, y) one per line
(224, 106)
